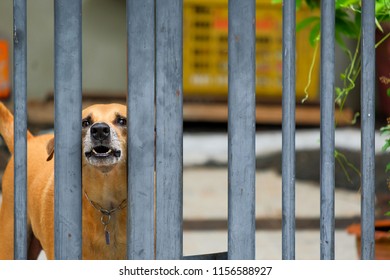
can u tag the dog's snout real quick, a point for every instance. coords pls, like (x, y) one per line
(100, 131)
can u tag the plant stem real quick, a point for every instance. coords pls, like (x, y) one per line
(313, 61)
(382, 40)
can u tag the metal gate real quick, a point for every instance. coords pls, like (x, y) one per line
(155, 102)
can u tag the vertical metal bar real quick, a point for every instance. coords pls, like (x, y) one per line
(327, 129)
(141, 117)
(169, 126)
(288, 131)
(242, 128)
(368, 129)
(67, 87)
(20, 129)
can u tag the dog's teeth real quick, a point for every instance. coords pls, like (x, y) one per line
(106, 153)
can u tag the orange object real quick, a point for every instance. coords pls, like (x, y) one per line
(5, 88)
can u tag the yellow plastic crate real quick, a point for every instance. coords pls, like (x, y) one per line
(205, 51)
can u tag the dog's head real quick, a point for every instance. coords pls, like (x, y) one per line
(104, 134)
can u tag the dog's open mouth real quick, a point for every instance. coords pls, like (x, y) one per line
(102, 152)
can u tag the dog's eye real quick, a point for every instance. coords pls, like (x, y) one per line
(86, 123)
(121, 121)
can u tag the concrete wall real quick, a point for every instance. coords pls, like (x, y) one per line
(104, 44)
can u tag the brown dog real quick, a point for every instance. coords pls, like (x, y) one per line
(104, 186)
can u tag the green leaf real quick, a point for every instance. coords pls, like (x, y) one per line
(346, 3)
(342, 13)
(382, 7)
(388, 92)
(314, 35)
(385, 130)
(378, 25)
(358, 19)
(313, 4)
(386, 145)
(347, 27)
(306, 22)
(387, 167)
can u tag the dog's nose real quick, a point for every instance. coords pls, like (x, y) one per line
(100, 131)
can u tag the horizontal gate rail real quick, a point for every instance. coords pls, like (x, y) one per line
(20, 129)
(67, 87)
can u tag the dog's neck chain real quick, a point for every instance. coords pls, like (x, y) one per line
(106, 214)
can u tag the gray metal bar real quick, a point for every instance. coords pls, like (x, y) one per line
(169, 126)
(368, 129)
(327, 129)
(242, 126)
(288, 132)
(20, 129)
(67, 86)
(141, 86)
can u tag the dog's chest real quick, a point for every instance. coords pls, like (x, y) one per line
(104, 241)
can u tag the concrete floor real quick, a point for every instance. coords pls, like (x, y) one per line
(205, 198)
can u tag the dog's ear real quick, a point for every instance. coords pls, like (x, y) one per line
(50, 149)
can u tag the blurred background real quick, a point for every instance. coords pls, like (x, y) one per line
(205, 64)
